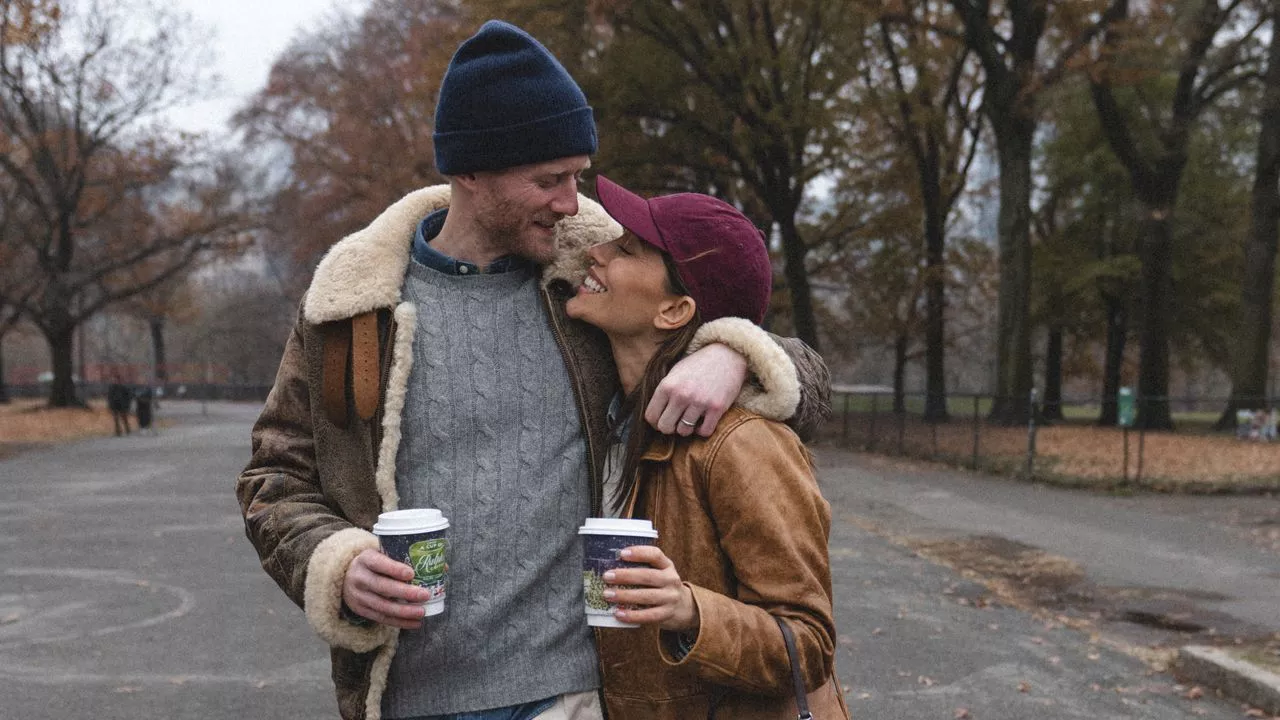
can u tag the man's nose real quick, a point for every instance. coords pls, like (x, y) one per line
(566, 201)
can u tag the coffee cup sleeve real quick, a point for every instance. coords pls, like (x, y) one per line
(322, 597)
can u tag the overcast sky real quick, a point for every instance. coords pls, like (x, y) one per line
(247, 37)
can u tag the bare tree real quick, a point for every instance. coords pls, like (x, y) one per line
(1212, 49)
(1009, 39)
(110, 192)
(1250, 359)
(934, 118)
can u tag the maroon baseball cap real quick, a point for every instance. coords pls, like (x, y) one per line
(719, 255)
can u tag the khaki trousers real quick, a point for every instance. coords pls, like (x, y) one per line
(577, 706)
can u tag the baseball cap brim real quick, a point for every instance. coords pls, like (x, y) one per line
(630, 210)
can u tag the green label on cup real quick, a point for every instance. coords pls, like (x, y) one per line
(428, 561)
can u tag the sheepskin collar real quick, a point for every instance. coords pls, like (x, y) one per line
(365, 270)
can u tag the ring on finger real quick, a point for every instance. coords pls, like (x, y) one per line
(687, 422)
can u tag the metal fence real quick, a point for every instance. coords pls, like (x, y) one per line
(172, 391)
(1072, 449)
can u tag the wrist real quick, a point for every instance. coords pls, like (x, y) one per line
(690, 620)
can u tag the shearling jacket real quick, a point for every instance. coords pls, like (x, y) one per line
(314, 487)
(742, 519)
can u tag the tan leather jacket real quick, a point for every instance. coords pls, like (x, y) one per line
(741, 516)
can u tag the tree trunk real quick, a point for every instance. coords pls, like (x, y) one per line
(1052, 408)
(1011, 406)
(161, 374)
(61, 339)
(1117, 336)
(794, 252)
(1250, 362)
(935, 402)
(4, 386)
(1156, 253)
(899, 374)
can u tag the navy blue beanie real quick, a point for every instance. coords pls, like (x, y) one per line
(506, 101)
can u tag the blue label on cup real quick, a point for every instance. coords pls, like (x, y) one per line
(600, 555)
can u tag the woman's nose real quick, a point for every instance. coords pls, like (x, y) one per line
(595, 254)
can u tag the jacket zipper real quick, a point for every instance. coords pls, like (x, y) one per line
(575, 379)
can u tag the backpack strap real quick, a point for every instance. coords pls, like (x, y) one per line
(364, 364)
(352, 344)
(333, 378)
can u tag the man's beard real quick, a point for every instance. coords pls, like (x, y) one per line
(505, 228)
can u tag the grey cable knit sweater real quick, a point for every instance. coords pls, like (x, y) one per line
(492, 437)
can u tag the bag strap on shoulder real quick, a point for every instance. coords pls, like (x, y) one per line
(802, 698)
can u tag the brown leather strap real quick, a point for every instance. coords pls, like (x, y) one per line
(333, 381)
(364, 363)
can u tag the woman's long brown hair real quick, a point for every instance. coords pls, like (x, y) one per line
(642, 433)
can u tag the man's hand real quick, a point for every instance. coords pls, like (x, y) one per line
(377, 587)
(697, 391)
(657, 591)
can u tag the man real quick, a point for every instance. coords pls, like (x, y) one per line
(119, 398)
(432, 365)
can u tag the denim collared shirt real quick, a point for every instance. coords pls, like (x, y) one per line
(428, 256)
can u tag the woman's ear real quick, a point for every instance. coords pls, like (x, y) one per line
(675, 312)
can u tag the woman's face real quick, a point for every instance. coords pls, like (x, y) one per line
(626, 288)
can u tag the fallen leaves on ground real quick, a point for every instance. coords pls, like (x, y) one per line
(30, 421)
(1087, 454)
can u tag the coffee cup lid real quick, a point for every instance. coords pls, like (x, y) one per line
(618, 526)
(400, 522)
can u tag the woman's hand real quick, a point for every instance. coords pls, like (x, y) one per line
(663, 599)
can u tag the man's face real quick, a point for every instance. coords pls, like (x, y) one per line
(518, 208)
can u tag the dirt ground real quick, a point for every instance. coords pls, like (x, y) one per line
(1149, 623)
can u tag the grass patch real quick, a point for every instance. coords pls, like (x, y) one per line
(1266, 656)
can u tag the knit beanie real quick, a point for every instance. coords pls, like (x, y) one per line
(506, 101)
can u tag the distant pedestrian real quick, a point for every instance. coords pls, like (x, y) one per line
(144, 400)
(119, 399)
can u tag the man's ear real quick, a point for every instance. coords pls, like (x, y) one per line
(675, 312)
(466, 181)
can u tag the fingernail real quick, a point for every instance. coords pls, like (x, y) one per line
(608, 577)
(609, 593)
(624, 554)
(620, 614)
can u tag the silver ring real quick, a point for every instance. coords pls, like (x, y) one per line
(690, 424)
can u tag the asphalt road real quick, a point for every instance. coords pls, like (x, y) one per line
(127, 590)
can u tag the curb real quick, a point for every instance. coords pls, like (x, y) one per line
(1235, 678)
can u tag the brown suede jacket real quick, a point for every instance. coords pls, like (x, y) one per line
(741, 517)
(313, 488)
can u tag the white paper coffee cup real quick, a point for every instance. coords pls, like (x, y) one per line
(602, 539)
(418, 538)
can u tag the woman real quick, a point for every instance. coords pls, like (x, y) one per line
(742, 525)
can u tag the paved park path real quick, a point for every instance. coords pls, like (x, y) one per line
(127, 590)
